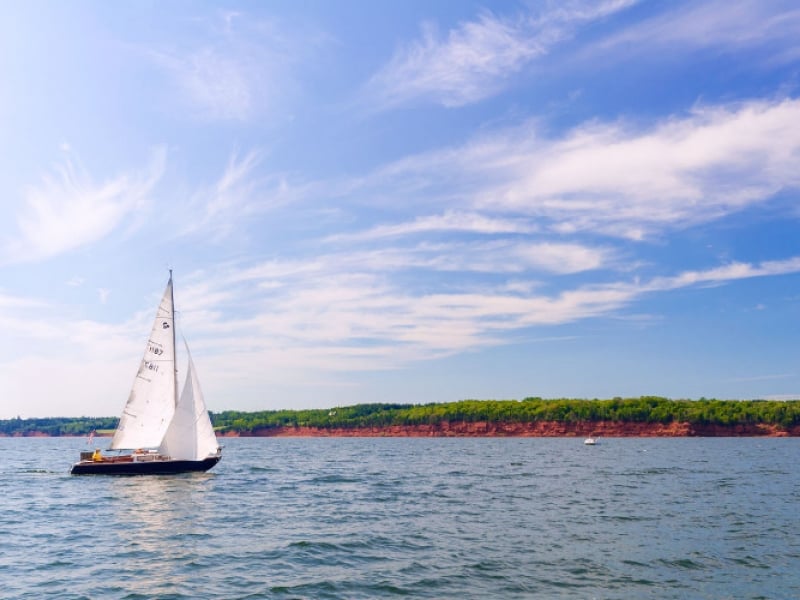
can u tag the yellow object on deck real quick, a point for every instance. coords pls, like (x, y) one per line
(97, 456)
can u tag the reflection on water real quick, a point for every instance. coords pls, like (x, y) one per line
(162, 528)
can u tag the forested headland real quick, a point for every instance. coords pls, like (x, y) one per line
(647, 415)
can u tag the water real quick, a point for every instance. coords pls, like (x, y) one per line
(423, 518)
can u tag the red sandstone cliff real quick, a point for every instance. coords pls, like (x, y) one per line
(499, 429)
(537, 429)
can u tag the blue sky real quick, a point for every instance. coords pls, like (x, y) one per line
(401, 201)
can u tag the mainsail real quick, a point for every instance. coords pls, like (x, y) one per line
(190, 436)
(152, 400)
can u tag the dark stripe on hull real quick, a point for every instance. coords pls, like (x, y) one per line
(154, 467)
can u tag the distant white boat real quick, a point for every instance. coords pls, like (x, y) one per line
(590, 441)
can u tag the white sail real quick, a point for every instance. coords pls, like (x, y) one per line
(190, 436)
(151, 403)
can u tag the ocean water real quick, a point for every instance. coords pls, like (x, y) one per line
(421, 518)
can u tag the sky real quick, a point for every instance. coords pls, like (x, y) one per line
(416, 201)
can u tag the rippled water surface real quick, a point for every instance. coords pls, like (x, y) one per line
(424, 518)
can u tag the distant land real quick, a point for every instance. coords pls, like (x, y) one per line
(646, 416)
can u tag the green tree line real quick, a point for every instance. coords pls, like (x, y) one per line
(57, 426)
(645, 409)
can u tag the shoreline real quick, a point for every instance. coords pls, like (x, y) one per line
(533, 429)
(503, 429)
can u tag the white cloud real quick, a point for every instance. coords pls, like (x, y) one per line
(496, 256)
(612, 178)
(245, 68)
(562, 258)
(220, 85)
(478, 58)
(232, 194)
(346, 319)
(716, 24)
(499, 256)
(220, 207)
(67, 209)
(726, 273)
(458, 221)
(471, 64)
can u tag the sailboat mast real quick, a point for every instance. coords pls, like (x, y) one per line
(174, 350)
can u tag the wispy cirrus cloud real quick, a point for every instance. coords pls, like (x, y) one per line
(240, 193)
(495, 256)
(218, 206)
(451, 220)
(723, 274)
(245, 68)
(627, 181)
(351, 320)
(615, 178)
(716, 24)
(477, 58)
(67, 209)
(219, 86)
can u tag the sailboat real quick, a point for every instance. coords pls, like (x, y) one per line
(159, 431)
